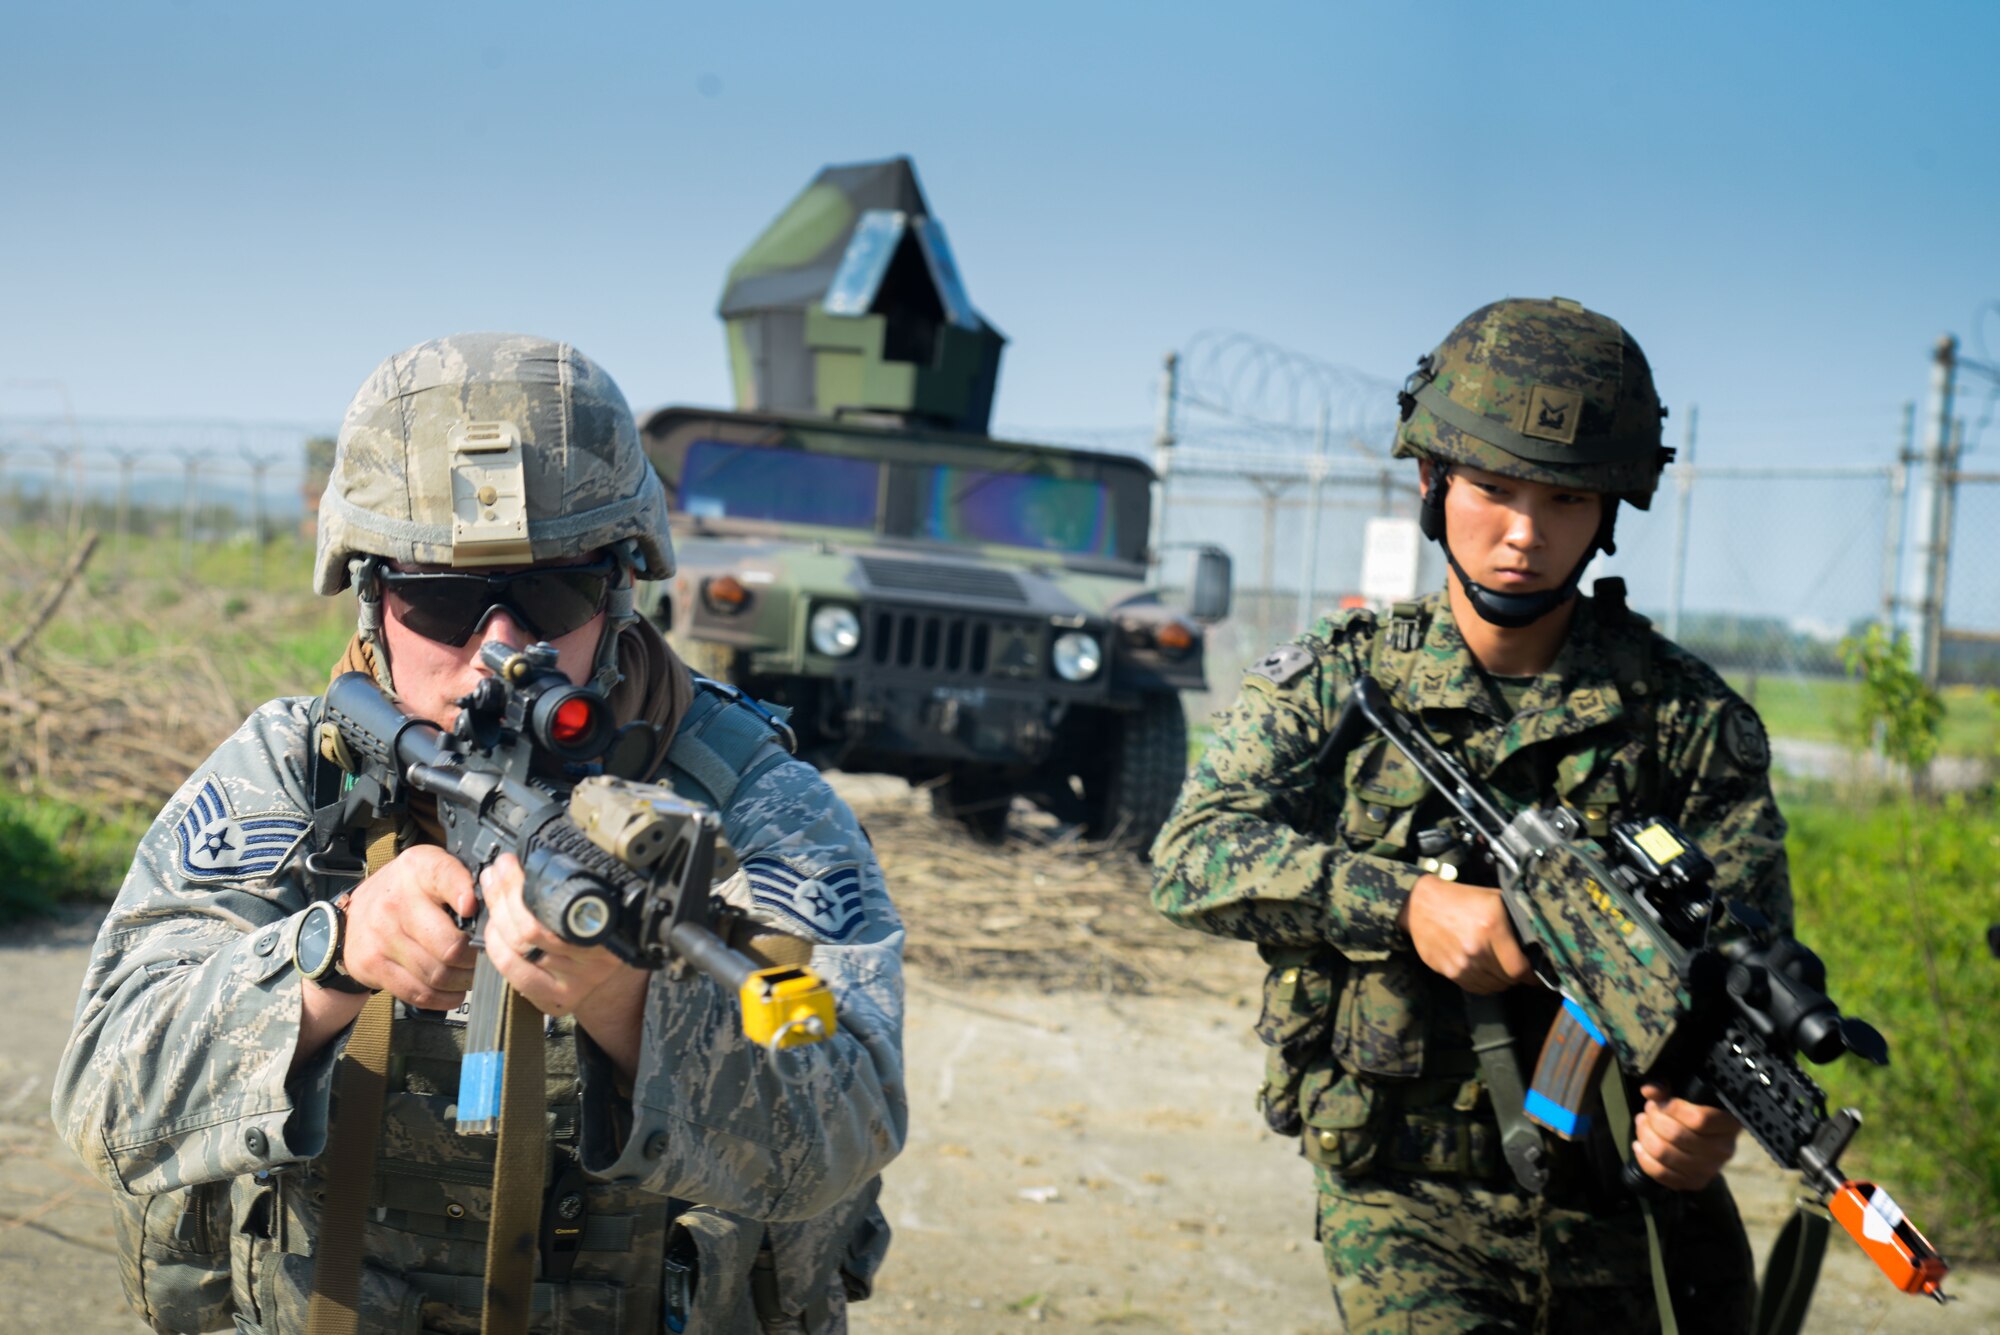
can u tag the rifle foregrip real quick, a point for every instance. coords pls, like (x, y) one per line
(1566, 1074)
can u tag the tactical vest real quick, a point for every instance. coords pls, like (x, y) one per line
(195, 1258)
(1370, 1057)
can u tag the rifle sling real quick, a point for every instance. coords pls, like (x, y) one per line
(360, 1082)
(1792, 1270)
(513, 1233)
(1618, 1111)
(1520, 1140)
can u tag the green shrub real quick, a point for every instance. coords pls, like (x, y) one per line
(1897, 899)
(55, 850)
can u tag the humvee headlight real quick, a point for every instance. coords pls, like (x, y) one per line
(836, 631)
(1078, 656)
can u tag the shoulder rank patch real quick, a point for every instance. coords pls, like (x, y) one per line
(216, 844)
(1743, 736)
(827, 906)
(1283, 665)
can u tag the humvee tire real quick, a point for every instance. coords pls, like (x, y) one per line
(1127, 797)
(981, 807)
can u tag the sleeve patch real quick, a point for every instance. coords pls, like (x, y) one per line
(828, 904)
(1743, 736)
(216, 844)
(1283, 665)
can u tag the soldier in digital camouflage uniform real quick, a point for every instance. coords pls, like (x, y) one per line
(197, 1080)
(1531, 422)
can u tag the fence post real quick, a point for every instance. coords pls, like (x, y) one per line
(1892, 524)
(1924, 604)
(1683, 493)
(1315, 496)
(1163, 459)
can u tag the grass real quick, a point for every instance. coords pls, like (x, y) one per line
(242, 628)
(1896, 898)
(55, 850)
(1824, 709)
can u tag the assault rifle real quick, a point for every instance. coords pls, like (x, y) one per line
(1620, 929)
(609, 861)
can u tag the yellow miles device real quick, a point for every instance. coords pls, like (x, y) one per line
(786, 1007)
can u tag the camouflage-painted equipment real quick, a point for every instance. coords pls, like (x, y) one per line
(1621, 930)
(967, 613)
(488, 450)
(850, 302)
(1545, 391)
(608, 861)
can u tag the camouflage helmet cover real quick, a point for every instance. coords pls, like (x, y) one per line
(488, 449)
(1545, 391)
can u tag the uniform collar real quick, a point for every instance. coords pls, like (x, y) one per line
(1577, 693)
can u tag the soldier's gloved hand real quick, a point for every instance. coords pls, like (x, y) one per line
(400, 937)
(1682, 1145)
(1462, 932)
(606, 995)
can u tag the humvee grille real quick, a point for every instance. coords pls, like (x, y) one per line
(951, 580)
(954, 645)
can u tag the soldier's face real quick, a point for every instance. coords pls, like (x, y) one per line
(1514, 536)
(431, 675)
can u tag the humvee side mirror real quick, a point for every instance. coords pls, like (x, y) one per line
(1209, 585)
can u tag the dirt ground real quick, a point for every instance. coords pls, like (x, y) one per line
(1083, 1153)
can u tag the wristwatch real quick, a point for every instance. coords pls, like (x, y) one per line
(316, 946)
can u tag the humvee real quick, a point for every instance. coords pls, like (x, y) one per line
(968, 613)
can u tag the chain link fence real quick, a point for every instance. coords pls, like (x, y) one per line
(200, 483)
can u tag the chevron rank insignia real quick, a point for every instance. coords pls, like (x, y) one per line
(827, 904)
(216, 844)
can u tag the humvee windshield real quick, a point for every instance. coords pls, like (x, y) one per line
(961, 504)
(977, 505)
(724, 481)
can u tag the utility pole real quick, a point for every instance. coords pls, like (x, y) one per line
(1163, 461)
(1923, 604)
(1683, 494)
(1315, 496)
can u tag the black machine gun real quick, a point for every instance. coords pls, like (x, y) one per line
(1620, 928)
(608, 861)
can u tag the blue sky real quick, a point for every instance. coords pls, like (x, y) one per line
(235, 210)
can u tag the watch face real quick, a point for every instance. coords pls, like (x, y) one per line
(314, 946)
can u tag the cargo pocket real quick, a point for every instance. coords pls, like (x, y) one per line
(1297, 1024)
(710, 1293)
(1378, 1028)
(284, 1284)
(1383, 790)
(173, 1256)
(1343, 1131)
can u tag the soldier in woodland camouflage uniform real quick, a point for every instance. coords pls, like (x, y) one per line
(198, 1079)
(1531, 422)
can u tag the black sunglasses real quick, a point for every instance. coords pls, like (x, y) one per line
(548, 602)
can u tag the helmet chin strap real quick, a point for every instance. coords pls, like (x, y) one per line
(1510, 611)
(621, 611)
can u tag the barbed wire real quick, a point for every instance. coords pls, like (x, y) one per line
(1248, 387)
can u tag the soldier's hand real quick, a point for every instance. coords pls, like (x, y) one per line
(400, 938)
(606, 995)
(1462, 932)
(1682, 1145)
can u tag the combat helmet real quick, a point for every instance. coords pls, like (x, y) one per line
(1544, 391)
(489, 450)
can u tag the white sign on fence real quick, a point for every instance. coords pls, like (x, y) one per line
(1390, 549)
